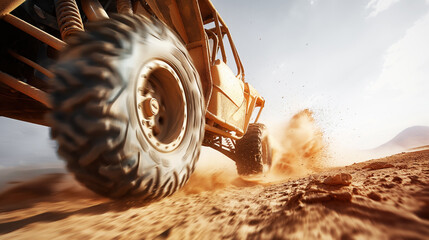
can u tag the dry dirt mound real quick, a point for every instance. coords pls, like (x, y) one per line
(382, 198)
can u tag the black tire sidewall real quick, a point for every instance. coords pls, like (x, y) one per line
(117, 160)
(250, 150)
(168, 52)
(179, 163)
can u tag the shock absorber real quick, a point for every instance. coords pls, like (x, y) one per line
(68, 17)
(124, 7)
(230, 144)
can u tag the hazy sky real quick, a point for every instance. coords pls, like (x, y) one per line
(361, 65)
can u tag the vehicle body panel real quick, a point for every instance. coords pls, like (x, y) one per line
(229, 99)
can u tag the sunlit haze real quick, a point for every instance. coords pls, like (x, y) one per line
(361, 66)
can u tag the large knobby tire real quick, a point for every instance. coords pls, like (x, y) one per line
(253, 151)
(128, 110)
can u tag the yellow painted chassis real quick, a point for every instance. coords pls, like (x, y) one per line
(230, 101)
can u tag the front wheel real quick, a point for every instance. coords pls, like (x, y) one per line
(128, 111)
(253, 151)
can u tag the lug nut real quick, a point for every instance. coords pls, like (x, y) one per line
(150, 107)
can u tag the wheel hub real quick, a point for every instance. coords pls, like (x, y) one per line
(161, 105)
(150, 107)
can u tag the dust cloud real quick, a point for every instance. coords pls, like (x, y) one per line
(301, 192)
(301, 148)
(298, 151)
(213, 171)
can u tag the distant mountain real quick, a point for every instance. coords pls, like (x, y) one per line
(412, 137)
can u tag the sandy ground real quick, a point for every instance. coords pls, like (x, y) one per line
(384, 198)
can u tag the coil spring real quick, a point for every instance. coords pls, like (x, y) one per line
(124, 7)
(68, 17)
(230, 144)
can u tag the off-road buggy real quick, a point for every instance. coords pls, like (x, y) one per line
(130, 89)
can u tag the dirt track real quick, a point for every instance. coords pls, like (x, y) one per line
(389, 199)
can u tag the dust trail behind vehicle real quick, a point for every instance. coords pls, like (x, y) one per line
(299, 150)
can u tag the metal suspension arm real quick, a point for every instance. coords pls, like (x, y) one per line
(26, 89)
(35, 32)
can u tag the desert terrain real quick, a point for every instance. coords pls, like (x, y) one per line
(300, 198)
(384, 198)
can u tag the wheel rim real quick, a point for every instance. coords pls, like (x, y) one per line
(161, 105)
